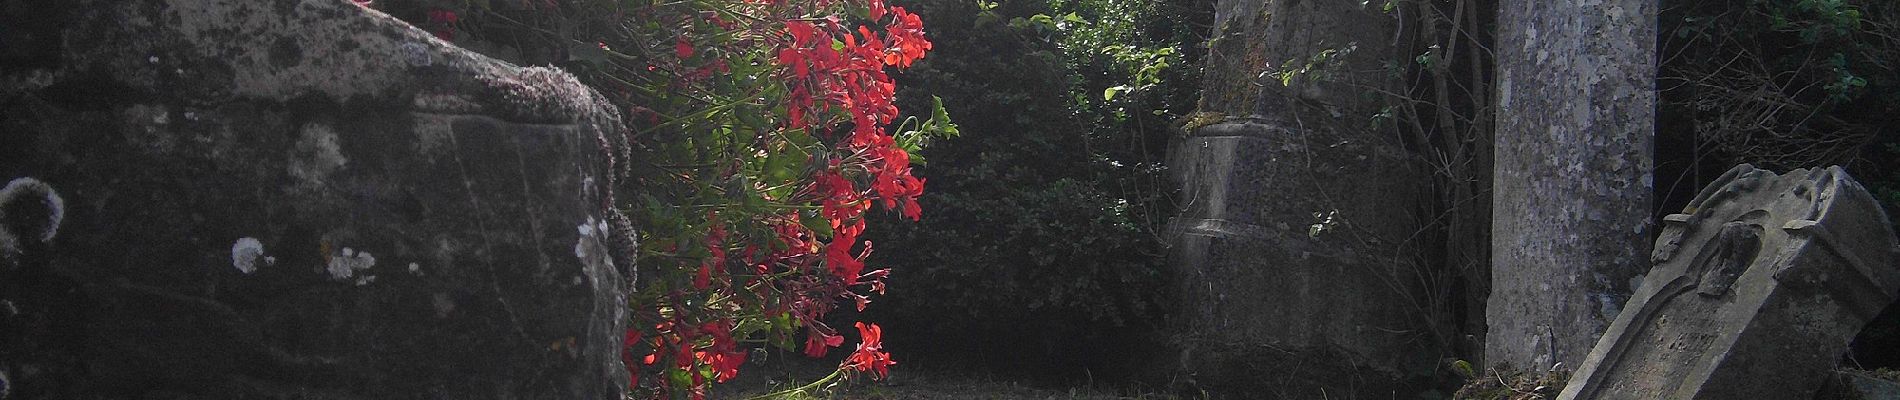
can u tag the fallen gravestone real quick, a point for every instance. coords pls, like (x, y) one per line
(277, 199)
(1758, 287)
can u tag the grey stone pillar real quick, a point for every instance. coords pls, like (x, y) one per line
(1571, 200)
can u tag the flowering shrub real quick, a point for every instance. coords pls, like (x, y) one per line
(761, 135)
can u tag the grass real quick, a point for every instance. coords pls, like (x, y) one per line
(908, 382)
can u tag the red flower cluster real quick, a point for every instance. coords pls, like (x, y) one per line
(870, 355)
(823, 77)
(780, 266)
(907, 39)
(724, 354)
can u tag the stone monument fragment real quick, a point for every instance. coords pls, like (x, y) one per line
(1758, 287)
(1296, 275)
(296, 199)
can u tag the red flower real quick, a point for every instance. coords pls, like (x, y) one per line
(626, 357)
(442, 19)
(703, 279)
(723, 355)
(907, 38)
(877, 9)
(817, 342)
(441, 16)
(683, 48)
(870, 355)
(715, 246)
(838, 258)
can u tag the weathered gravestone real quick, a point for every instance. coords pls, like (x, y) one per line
(274, 199)
(1758, 287)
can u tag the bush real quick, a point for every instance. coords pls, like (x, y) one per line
(1042, 252)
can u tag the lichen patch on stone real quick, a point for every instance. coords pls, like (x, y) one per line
(584, 247)
(345, 265)
(246, 253)
(590, 247)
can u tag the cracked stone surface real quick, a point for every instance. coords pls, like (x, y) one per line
(302, 199)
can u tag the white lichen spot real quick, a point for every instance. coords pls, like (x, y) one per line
(583, 247)
(415, 269)
(589, 248)
(586, 229)
(245, 253)
(365, 280)
(344, 265)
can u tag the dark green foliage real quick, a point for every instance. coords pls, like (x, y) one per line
(1782, 84)
(1039, 247)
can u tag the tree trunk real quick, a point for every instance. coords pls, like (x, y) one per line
(1571, 207)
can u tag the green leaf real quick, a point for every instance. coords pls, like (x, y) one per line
(940, 120)
(818, 225)
(1109, 93)
(782, 167)
(679, 377)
